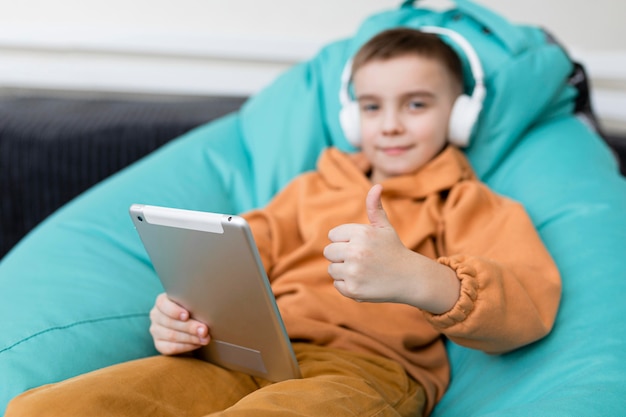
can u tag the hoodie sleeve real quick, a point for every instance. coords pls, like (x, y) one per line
(510, 286)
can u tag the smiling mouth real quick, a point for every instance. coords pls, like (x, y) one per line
(394, 150)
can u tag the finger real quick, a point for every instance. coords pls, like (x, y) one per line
(335, 252)
(170, 308)
(192, 327)
(197, 334)
(343, 233)
(170, 342)
(170, 348)
(374, 206)
(342, 287)
(336, 271)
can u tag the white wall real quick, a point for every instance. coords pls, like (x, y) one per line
(594, 33)
(202, 47)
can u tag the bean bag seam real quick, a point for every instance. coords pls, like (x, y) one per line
(68, 326)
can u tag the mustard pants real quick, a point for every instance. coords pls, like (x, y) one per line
(334, 383)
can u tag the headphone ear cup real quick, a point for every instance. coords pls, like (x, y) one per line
(462, 119)
(350, 123)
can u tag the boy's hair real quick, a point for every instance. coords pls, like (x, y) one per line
(397, 42)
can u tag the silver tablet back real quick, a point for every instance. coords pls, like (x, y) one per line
(209, 264)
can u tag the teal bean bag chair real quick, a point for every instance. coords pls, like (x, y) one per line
(76, 291)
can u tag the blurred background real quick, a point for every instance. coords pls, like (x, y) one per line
(87, 87)
(218, 47)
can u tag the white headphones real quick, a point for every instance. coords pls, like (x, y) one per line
(465, 110)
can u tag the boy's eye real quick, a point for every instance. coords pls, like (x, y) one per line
(416, 104)
(369, 107)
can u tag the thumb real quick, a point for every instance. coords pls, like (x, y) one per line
(375, 212)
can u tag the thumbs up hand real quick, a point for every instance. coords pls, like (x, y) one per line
(368, 261)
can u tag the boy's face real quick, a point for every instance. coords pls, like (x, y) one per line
(405, 105)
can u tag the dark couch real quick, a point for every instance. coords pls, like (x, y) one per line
(52, 149)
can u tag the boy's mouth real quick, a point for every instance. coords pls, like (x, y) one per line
(394, 150)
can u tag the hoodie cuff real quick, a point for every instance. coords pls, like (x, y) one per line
(467, 274)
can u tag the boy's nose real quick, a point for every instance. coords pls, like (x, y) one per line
(392, 123)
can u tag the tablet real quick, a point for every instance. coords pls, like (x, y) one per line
(209, 264)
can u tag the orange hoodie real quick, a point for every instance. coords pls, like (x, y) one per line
(510, 287)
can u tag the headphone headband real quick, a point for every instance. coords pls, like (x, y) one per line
(476, 68)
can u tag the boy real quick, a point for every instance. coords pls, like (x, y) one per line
(366, 311)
